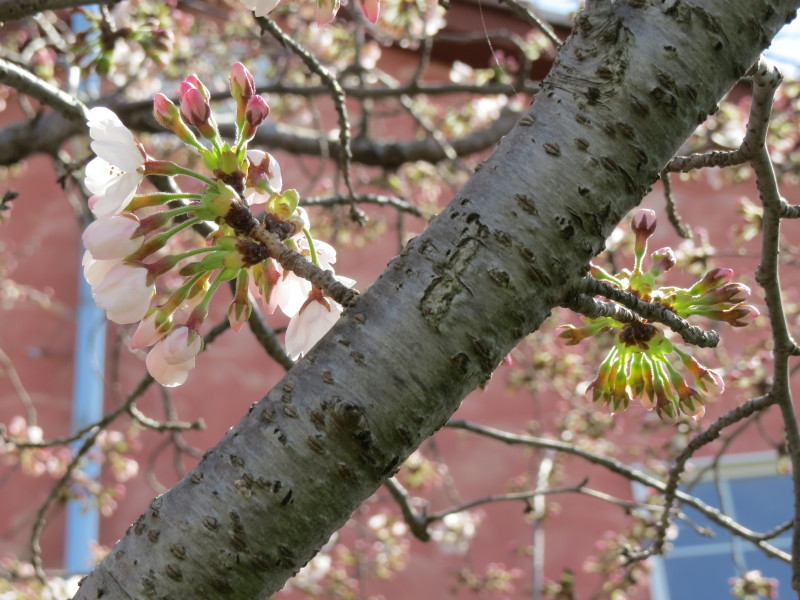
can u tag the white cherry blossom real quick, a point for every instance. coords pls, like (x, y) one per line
(110, 237)
(115, 173)
(124, 293)
(181, 345)
(261, 8)
(168, 375)
(263, 177)
(312, 321)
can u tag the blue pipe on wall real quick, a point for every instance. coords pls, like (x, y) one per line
(83, 519)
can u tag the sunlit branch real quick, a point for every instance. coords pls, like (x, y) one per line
(754, 137)
(522, 10)
(766, 80)
(27, 83)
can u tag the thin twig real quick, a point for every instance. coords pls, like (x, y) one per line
(672, 212)
(702, 439)
(338, 97)
(630, 473)
(378, 199)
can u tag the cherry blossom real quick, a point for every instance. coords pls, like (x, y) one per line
(116, 172)
(261, 8)
(111, 237)
(263, 177)
(168, 375)
(181, 345)
(312, 321)
(151, 329)
(124, 293)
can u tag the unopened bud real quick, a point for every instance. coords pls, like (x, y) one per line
(243, 86)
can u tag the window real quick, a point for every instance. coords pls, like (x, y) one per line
(749, 490)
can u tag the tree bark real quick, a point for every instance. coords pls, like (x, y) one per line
(628, 87)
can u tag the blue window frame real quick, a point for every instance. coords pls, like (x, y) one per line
(749, 489)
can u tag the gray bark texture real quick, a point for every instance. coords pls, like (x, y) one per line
(632, 82)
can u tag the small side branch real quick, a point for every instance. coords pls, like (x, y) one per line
(652, 312)
(702, 439)
(377, 199)
(630, 473)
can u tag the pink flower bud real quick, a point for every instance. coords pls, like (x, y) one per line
(151, 329)
(712, 280)
(165, 373)
(644, 223)
(239, 313)
(742, 315)
(194, 107)
(663, 260)
(164, 110)
(112, 237)
(370, 9)
(243, 86)
(730, 293)
(194, 81)
(256, 112)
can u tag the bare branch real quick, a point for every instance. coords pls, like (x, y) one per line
(268, 339)
(765, 81)
(380, 200)
(702, 439)
(672, 212)
(417, 523)
(337, 94)
(620, 468)
(523, 11)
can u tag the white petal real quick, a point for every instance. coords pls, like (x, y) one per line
(261, 7)
(109, 238)
(307, 327)
(290, 293)
(164, 373)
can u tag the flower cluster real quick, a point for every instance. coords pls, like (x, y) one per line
(128, 245)
(643, 364)
(326, 9)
